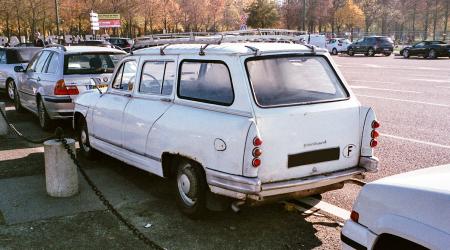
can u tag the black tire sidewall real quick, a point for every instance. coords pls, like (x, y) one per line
(47, 122)
(7, 89)
(197, 210)
(17, 104)
(82, 125)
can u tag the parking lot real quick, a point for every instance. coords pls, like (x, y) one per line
(411, 98)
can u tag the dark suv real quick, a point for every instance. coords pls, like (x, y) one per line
(123, 43)
(372, 45)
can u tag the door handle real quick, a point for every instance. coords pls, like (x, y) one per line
(127, 95)
(38, 79)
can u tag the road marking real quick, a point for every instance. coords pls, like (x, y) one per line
(14, 154)
(390, 90)
(326, 207)
(403, 100)
(416, 141)
(430, 80)
(370, 81)
(447, 87)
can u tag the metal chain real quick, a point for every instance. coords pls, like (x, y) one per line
(106, 203)
(59, 135)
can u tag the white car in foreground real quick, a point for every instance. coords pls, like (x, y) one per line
(405, 211)
(249, 121)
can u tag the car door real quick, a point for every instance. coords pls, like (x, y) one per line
(108, 113)
(358, 44)
(32, 80)
(416, 49)
(150, 101)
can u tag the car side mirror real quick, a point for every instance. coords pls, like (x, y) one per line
(19, 69)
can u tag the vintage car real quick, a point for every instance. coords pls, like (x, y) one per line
(405, 211)
(249, 121)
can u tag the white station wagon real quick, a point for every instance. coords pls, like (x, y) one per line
(248, 121)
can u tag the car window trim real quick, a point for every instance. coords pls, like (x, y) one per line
(204, 100)
(112, 82)
(45, 62)
(255, 58)
(164, 76)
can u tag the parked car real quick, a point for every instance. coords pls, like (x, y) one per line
(57, 74)
(372, 45)
(337, 45)
(10, 58)
(405, 211)
(24, 45)
(427, 49)
(248, 121)
(123, 43)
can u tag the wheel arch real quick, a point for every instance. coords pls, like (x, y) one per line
(77, 118)
(170, 159)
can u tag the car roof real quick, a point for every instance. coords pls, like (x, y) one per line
(83, 49)
(228, 48)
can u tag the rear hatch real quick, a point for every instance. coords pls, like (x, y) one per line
(80, 68)
(385, 43)
(305, 118)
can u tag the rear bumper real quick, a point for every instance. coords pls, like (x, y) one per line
(240, 187)
(357, 236)
(59, 107)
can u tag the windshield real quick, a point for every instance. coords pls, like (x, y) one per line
(90, 63)
(22, 55)
(285, 81)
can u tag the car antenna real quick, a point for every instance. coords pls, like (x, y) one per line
(253, 49)
(311, 47)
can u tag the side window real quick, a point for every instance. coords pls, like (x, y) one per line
(32, 64)
(126, 76)
(207, 81)
(41, 62)
(2, 57)
(53, 65)
(157, 78)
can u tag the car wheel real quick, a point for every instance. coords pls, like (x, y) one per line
(432, 54)
(387, 54)
(351, 52)
(371, 52)
(334, 51)
(11, 89)
(44, 119)
(17, 103)
(405, 54)
(190, 186)
(83, 139)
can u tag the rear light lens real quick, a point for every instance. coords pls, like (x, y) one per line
(257, 152)
(354, 216)
(257, 141)
(256, 162)
(374, 134)
(373, 143)
(62, 89)
(375, 124)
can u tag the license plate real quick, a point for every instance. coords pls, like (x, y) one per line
(386, 49)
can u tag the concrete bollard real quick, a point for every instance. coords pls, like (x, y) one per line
(61, 175)
(3, 123)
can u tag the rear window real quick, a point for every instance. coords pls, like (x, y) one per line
(22, 55)
(90, 63)
(284, 81)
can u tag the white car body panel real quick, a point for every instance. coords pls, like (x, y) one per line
(414, 206)
(340, 44)
(139, 128)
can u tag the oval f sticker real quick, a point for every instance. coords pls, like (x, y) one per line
(349, 150)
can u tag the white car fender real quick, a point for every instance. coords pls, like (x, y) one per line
(411, 230)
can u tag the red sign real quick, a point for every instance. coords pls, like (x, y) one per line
(111, 23)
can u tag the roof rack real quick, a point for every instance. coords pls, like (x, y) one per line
(56, 46)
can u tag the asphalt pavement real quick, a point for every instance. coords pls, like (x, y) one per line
(411, 98)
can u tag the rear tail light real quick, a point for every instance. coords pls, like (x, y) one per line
(354, 216)
(373, 143)
(256, 152)
(375, 124)
(62, 89)
(374, 134)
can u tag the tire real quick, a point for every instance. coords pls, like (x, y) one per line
(350, 52)
(387, 54)
(11, 89)
(406, 54)
(432, 54)
(44, 119)
(83, 139)
(334, 51)
(17, 103)
(190, 187)
(371, 52)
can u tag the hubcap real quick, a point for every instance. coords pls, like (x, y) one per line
(432, 53)
(370, 52)
(83, 140)
(11, 90)
(184, 180)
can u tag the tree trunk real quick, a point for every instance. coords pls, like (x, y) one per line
(425, 26)
(414, 21)
(435, 18)
(446, 18)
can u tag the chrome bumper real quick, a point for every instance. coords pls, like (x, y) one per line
(240, 187)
